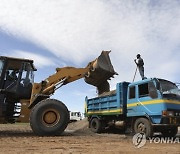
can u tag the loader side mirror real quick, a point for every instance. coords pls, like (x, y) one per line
(152, 90)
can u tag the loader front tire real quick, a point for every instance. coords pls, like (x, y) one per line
(49, 117)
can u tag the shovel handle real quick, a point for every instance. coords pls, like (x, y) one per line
(135, 74)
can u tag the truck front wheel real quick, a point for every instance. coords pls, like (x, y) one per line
(49, 117)
(96, 125)
(171, 132)
(143, 125)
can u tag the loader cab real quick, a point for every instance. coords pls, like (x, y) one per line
(16, 77)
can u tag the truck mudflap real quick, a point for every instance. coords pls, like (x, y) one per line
(101, 71)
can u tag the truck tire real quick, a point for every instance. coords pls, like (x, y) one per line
(49, 117)
(171, 132)
(96, 125)
(143, 125)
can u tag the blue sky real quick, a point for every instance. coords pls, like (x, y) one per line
(72, 33)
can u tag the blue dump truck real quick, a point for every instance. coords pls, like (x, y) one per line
(147, 106)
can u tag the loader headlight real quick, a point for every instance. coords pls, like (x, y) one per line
(168, 113)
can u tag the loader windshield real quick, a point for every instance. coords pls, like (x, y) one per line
(27, 74)
(1, 66)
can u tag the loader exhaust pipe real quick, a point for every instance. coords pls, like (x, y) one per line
(100, 71)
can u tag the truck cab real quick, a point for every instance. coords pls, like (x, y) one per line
(156, 99)
(75, 116)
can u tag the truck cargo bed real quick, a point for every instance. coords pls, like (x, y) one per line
(108, 103)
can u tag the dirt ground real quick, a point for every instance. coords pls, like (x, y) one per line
(19, 138)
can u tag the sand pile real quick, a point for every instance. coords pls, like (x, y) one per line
(78, 125)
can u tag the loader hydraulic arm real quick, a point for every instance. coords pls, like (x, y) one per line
(96, 73)
(62, 77)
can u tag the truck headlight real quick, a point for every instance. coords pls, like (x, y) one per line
(168, 113)
(177, 114)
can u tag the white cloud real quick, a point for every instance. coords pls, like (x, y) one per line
(78, 30)
(39, 60)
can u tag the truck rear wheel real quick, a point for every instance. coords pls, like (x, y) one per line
(49, 117)
(171, 132)
(143, 125)
(96, 125)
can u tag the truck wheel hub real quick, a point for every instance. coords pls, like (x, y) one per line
(141, 127)
(94, 125)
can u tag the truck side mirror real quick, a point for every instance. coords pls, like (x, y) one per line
(152, 90)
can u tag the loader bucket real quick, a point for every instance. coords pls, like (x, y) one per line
(101, 70)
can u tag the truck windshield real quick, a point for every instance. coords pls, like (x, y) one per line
(169, 90)
(167, 85)
(1, 66)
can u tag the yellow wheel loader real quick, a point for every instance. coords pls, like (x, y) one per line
(23, 100)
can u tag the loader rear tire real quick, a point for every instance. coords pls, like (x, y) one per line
(49, 117)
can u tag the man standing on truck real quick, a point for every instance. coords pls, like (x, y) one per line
(140, 64)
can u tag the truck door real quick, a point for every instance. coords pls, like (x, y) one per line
(132, 99)
(145, 101)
